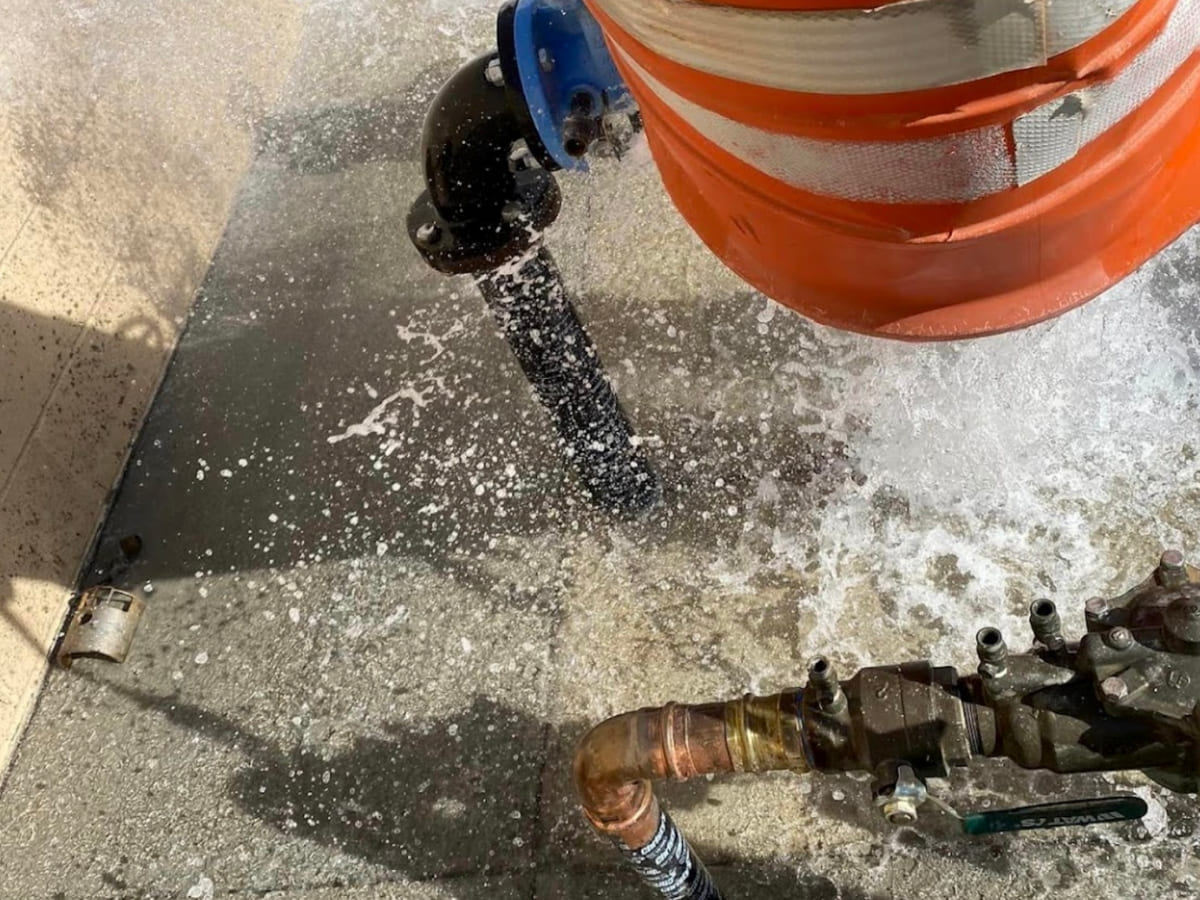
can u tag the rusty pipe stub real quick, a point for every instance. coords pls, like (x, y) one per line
(102, 627)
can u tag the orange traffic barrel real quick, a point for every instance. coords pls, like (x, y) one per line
(922, 169)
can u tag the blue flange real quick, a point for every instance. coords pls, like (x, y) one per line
(562, 58)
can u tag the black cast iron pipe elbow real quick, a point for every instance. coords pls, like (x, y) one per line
(470, 130)
(484, 205)
(487, 202)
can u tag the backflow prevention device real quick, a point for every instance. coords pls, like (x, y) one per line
(1125, 697)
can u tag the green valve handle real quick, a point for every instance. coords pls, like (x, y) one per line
(1098, 811)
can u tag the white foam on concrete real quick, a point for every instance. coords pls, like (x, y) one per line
(1054, 461)
(1064, 450)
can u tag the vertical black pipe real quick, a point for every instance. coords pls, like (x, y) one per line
(530, 303)
(670, 866)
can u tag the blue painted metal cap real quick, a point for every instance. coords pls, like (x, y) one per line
(567, 73)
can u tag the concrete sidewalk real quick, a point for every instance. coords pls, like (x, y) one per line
(125, 131)
(367, 658)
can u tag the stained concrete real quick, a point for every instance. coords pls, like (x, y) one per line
(368, 655)
(125, 130)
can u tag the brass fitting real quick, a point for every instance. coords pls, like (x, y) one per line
(765, 734)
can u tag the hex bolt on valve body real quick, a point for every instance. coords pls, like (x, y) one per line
(1126, 696)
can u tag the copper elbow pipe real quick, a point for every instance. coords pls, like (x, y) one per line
(619, 760)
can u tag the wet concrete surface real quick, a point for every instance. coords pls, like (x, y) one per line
(369, 652)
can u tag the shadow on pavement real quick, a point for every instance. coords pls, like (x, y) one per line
(294, 345)
(433, 801)
(49, 512)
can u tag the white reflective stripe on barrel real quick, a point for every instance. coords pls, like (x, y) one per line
(905, 46)
(1048, 137)
(955, 168)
